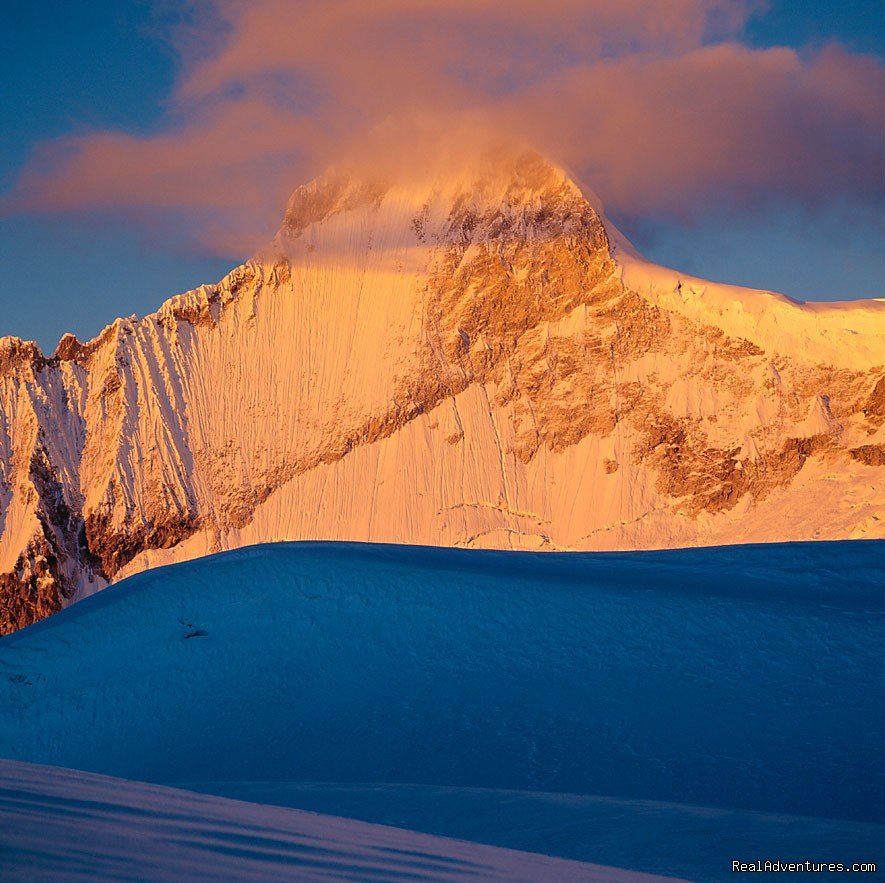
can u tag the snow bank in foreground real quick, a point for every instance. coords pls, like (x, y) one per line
(673, 840)
(60, 825)
(745, 678)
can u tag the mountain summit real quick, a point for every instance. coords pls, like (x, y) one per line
(473, 357)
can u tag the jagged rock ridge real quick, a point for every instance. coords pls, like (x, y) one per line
(474, 359)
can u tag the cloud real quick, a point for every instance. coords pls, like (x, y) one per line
(447, 48)
(658, 106)
(721, 125)
(223, 169)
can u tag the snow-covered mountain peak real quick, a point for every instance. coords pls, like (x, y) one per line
(440, 198)
(462, 354)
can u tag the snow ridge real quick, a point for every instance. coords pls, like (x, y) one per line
(475, 358)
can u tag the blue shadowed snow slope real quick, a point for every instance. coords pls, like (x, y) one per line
(671, 839)
(66, 826)
(740, 677)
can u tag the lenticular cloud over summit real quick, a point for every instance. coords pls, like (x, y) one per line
(661, 107)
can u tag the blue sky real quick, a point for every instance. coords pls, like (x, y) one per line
(83, 66)
(77, 69)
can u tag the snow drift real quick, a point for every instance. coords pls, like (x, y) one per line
(652, 711)
(747, 678)
(60, 825)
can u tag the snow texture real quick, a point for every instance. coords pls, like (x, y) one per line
(694, 842)
(744, 677)
(58, 826)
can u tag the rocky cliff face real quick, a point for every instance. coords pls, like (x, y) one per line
(477, 359)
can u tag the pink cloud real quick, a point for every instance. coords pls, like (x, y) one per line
(638, 96)
(722, 123)
(437, 42)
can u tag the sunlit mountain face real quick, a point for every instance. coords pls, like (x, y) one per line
(472, 356)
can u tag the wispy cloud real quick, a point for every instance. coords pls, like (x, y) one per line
(660, 106)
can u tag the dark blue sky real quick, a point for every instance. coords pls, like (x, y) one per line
(92, 66)
(70, 67)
